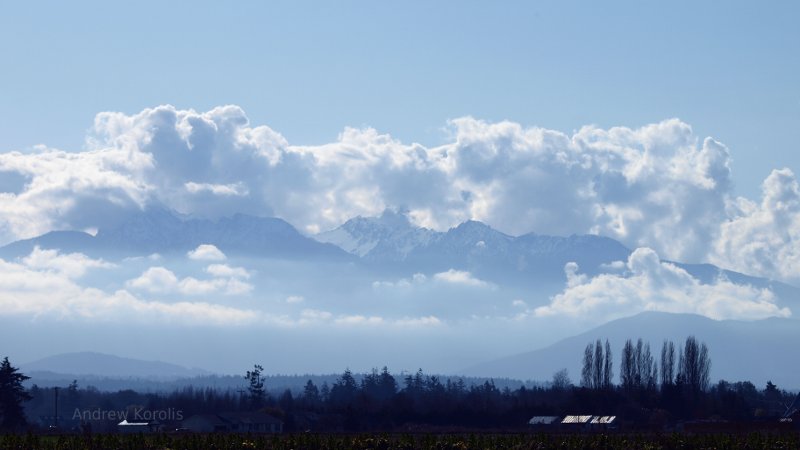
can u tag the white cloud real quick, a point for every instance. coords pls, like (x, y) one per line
(226, 271)
(206, 252)
(318, 317)
(659, 185)
(295, 299)
(72, 265)
(426, 321)
(37, 288)
(354, 320)
(653, 285)
(450, 277)
(235, 189)
(764, 239)
(160, 280)
(461, 277)
(403, 283)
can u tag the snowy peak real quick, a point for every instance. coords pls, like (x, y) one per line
(391, 233)
(392, 241)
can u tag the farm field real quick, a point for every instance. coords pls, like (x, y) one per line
(406, 441)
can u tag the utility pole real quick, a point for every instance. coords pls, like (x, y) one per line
(241, 397)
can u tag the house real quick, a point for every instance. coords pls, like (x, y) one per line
(206, 423)
(576, 420)
(587, 423)
(543, 421)
(233, 422)
(603, 422)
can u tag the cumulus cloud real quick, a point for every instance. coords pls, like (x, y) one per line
(659, 185)
(72, 265)
(461, 277)
(450, 277)
(44, 284)
(764, 238)
(653, 285)
(160, 280)
(236, 189)
(403, 283)
(226, 271)
(206, 252)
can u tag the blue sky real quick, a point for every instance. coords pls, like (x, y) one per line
(513, 106)
(308, 69)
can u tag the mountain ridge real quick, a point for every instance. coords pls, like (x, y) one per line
(107, 365)
(729, 343)
(162, 231)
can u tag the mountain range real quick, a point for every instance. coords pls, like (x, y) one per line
(756, 351)
(164, 232)
(391, 244)
(390, 241)
(388, 244)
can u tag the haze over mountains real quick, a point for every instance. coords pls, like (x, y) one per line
(757, 351)
(103, 365)
(471, 292)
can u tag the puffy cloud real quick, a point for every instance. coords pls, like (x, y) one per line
(63, 190)
(764, 239)
(206, 252)
(72, 265)
(217, 189)
(450, 277)
(160, 280)
(43, 284)
(658, 185)
(403, 283)
(653, 285)
(453, 276)
(226, 271)
(295, 299)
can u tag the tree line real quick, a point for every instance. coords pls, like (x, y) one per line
(653, 390)
(639, 369)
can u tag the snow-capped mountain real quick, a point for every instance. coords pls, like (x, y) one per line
(392, 241)
(388, 237)
(388, 244)
(163, 231)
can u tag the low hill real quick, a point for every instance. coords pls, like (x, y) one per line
(768, 346)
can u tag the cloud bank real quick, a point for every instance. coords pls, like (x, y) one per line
(658, 186)
(44, 284)
(652, 285)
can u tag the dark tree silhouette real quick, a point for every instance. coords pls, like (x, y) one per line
(255, 389)
(561, 381)
(695, 365)
(597, 375)
(587, 372)
(627, 368)
(667, 364)
(12, 395)
(608, 368)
